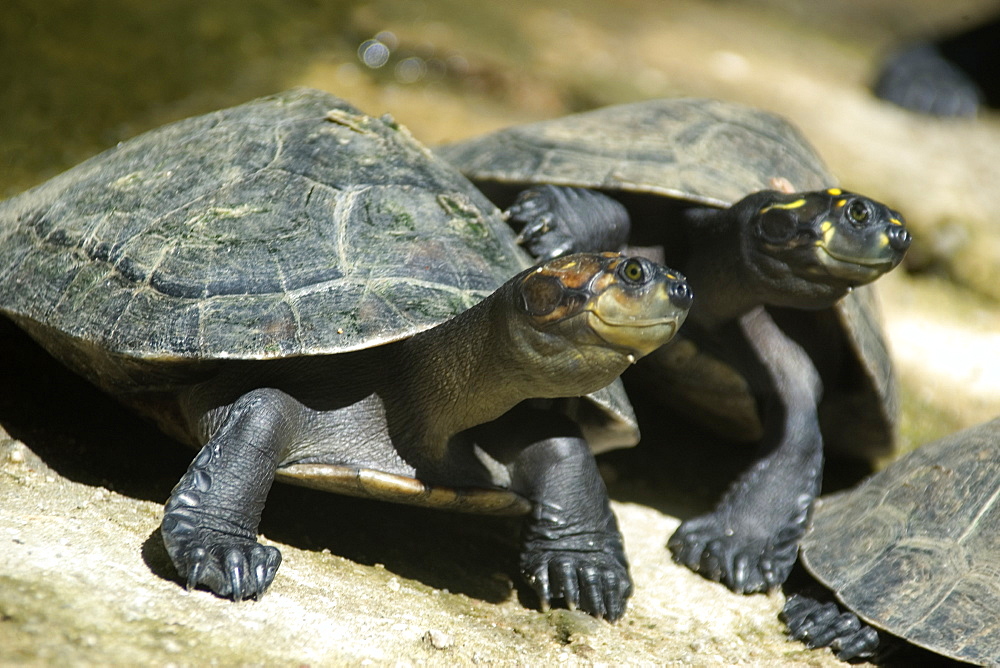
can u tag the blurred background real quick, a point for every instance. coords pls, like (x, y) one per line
(75, 78)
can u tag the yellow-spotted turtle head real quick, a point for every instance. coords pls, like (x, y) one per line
(599, 311)
(821, 243)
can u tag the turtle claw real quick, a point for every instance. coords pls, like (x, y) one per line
(541, 237)
(824, 625)
(230, 566)
(559, 220)
(197, 559)
(590, 582)
(744, 562)
(236, 570)
(568, 582)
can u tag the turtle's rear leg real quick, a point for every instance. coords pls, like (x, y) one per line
(210, 521)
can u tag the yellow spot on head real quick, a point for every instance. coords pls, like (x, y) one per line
(835, 191)
(883, 241)
(840, 202)
(791, 205)
(895, 221)
(828, 230)
(671, 277)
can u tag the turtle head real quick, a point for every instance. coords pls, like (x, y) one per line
(813, 247)
(593, 314)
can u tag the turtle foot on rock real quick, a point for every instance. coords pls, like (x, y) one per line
(230, 566)
(597, 583)
(744, 561)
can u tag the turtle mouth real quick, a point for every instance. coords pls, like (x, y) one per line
(864, 269)
(637, 321)
(637, 337)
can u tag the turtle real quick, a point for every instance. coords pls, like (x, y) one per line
(914, 551)
(783, 345)
(944, 75)
(304, 292)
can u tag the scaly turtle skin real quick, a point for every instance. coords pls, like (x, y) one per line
(772, 351)
(305, 293)
(914, 551)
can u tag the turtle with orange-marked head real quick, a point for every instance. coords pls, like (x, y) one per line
(305, 293)
(783, 346)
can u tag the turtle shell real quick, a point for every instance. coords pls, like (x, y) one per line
(915, 549)
(372, 484)
(290, 225)
(713, 153)
(700, 150)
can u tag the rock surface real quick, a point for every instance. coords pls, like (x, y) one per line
(85, 581)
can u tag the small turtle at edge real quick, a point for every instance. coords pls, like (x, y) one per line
(914, 551)
(773, 351)
(306, 293)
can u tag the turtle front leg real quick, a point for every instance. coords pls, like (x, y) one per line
(559, 220)
(210, 521)
(572, 549)
(750, 541)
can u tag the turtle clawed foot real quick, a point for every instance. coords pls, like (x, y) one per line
(743, 561)
(824, 625)
(540, 237)
(593, 582)
(236, 572)
(230, 566)
(559, 220)
(545, 221)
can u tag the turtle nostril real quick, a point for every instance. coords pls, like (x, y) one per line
(680, 294)
(899, 238)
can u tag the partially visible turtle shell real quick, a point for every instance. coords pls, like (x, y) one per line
(714, 153)
(371, 484)
(860, 415)
(704, 151)
(915, 549)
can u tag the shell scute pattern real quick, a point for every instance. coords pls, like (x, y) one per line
(916, 549)
(289, 225)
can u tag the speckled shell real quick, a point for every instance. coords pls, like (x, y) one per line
(915, 549)
(708, 152)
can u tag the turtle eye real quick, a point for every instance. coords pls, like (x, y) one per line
(857, 212)
(633, 271)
